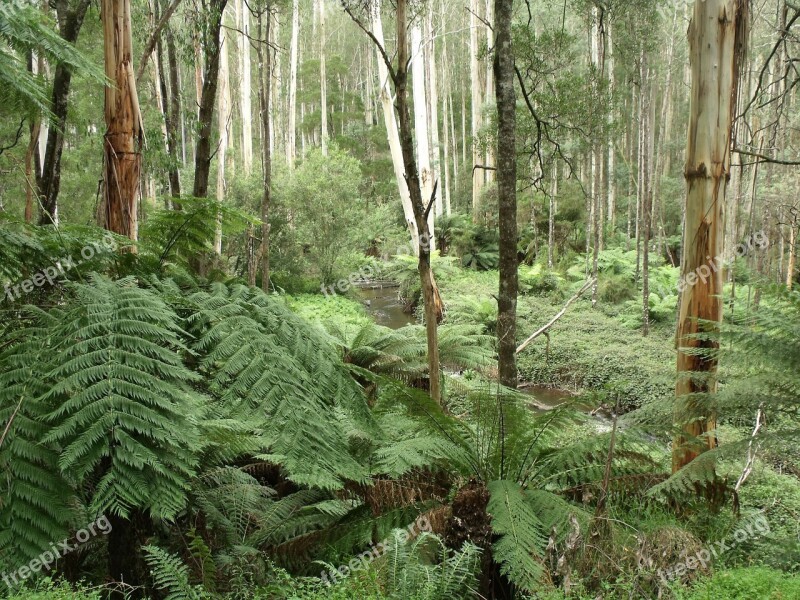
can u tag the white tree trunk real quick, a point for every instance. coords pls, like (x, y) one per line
(717, 37)
(392, 133)
(433, 110)
(476, 104)
(489, 89)
(245, 93)
(291, 141)
(323, 81)
(223, 121)
(421, 121)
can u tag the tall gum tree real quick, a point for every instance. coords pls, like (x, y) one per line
(123, 139)
(505, 97)
(421, 206)
(717, 42)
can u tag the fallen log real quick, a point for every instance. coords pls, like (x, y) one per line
(560, 314)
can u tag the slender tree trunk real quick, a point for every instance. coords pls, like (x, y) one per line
(433, 108)
(611, 179)
(70, 21)
(647, 191)
(717, 37)
(506, 192)
(455, 145)
(476, 105)
(489, 93)
(223, 128)
(430, 292)
(551, 216)
(792, 255)
(211, 47)
(246, 90)
(264, 55)
(446, 130)
(291, 142)
(390, 121)
(123, 138)
(323, 80)
(421, 124)
(175, 117)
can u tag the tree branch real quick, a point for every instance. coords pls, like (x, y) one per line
(762, 158)
(560, 314)
(151, 43)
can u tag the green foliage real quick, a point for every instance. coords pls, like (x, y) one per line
(538, 280)
(424, 569)
(744, 584)
(24, 29)
(343, 311)
(473, 310)
(521, 535)
(403, 269)
(323, 194)
(178, 236)
(171, 576)
(48, 589)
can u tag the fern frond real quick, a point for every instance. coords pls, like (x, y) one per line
(522, 536)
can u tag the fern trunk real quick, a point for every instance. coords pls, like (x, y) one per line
(717, 36)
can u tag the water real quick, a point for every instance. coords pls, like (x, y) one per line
(385, 307)
(544, 398)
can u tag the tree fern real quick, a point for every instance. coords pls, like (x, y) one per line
(34, 496)
(424, 569)
(171, 576)
(119, 393)
(522, 537)
(260, 359)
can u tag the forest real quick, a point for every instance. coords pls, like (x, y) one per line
(399, 300)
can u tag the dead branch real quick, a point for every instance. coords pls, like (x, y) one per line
(560, 314)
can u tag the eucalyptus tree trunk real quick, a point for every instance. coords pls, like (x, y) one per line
(792, 255)
(291, 140)
(323, 81)
(475, 104)
(433, 107)
(123, 139)
(70, 19)
(611, 181)
(210, 43)
(430, 292)
(489, 92)
(390, 121)
(717, 39)
(264, 56)
(223, 128)
(647, 189)
(418, 75)
(551, 215)
(175, 118)
(446, 116)
(246, 89)
(506, 193)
